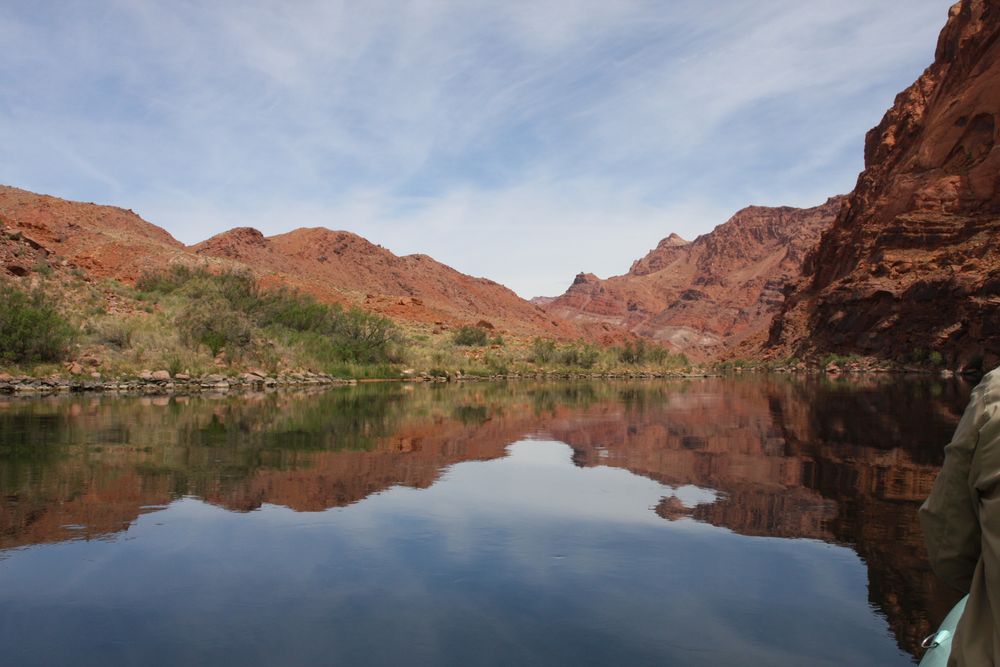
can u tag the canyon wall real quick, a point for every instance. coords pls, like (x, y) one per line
(912, 263)
(706, 297)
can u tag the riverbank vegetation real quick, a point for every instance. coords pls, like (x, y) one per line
(31, 328)
(193, 321)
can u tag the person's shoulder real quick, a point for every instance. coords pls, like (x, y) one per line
(991, 381)
(988, 391)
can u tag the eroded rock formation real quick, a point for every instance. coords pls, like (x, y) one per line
(912, 262)
(706, 297)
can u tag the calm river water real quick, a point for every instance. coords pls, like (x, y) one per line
(759, 521)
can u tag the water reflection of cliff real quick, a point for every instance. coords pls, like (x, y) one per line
(844, 463)
(87, 468)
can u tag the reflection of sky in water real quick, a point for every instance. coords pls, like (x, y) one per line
(522, 560)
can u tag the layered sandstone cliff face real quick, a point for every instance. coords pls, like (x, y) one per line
(334, 266)
(707, 296)
(913, 260)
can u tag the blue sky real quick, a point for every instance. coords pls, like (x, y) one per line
(522, 141)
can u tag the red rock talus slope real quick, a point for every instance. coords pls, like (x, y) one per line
(105, 240)
(709, 295)
(913, 260)
(333, 266)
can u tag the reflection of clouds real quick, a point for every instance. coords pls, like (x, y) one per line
(538, 478)
(499, 562)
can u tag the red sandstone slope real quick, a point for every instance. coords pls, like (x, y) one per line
(105, 240)
(334, 266)
(344, 267)
(913, 260)
(707, 296)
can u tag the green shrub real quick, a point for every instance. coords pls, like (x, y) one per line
(579, 356)
(935, 358)
(211, 321)
(174, 365)
(31, 329)
(833, 358)
(542, 351)
(43, 268)
(229, 309)
(633, 353)
(364, 337)
(287, 308)
(115, 332)
(496, 364)
(470, 336)
(170, 279)
(641, 353)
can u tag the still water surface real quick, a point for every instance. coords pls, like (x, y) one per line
(760, 521)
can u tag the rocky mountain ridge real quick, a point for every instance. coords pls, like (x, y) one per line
(706, 296)
(334, 266)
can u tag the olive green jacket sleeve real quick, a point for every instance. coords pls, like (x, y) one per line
(950, 516)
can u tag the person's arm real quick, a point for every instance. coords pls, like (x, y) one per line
(950, 515)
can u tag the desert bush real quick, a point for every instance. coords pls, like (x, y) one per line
(296, 311)
(115, 332)
(633, 353)
(470, 336)
(579, 356)
(496, 364)
(935, 358)
(175, 364)
(842, 360)
(209, 320)
(651, 354)
(364, 337)
(170, 279)
(542, 351)
(228, 309)
(31, 329)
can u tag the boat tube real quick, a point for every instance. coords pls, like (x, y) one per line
(938, 645)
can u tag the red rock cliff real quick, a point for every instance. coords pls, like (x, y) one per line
(707, 296)
(913, 260)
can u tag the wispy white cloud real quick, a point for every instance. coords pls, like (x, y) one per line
(521, 140)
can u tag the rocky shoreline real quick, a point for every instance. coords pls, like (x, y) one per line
(162, 382)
